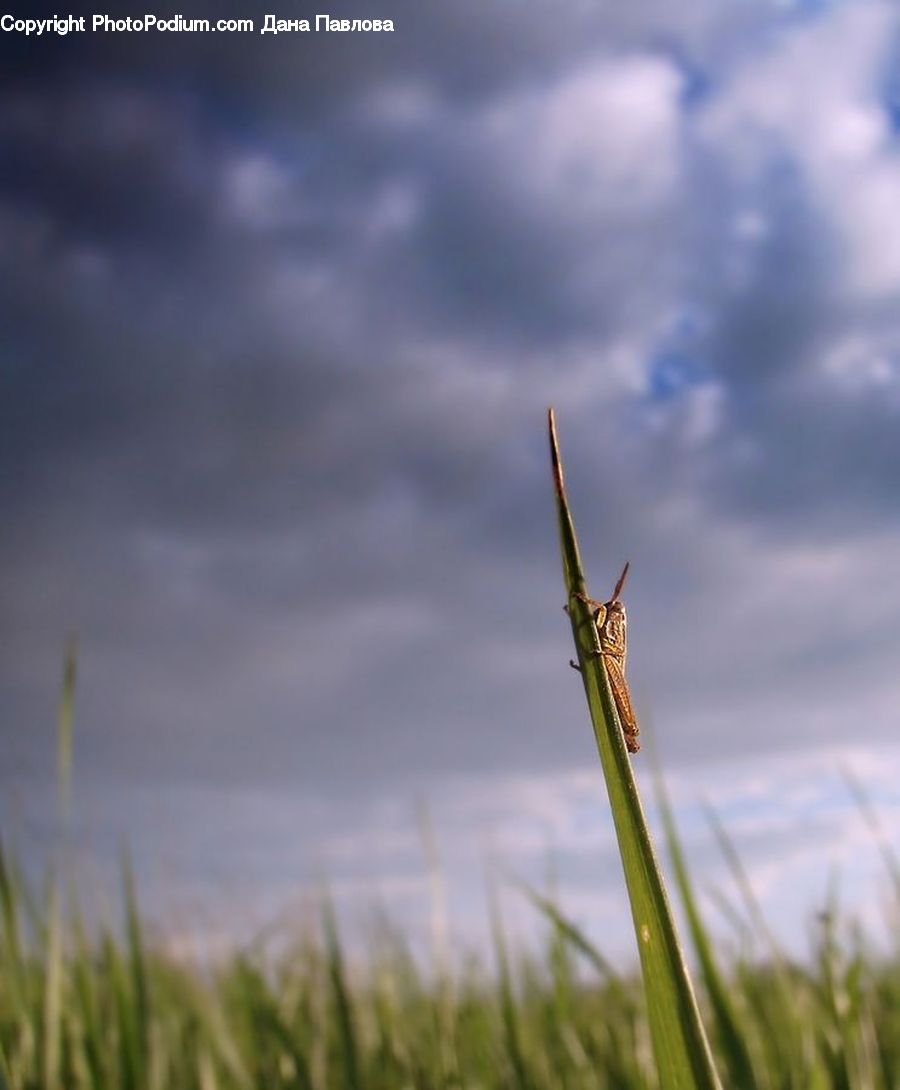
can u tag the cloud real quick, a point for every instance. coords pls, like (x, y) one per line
(284, 849)
(816, 100)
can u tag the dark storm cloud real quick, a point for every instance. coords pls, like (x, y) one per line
(170, 331)
(468, 51)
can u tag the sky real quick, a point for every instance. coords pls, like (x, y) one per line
(282, 316)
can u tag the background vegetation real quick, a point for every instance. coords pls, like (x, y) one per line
(111, 1011)
(103, 1008)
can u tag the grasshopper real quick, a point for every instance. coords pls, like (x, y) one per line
(609, 617)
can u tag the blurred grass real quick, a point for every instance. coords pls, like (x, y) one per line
(103, 1008)
(114, 1011)
(64, 729)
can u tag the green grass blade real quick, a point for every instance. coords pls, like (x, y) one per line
(731, 1035)
(85, 1001)
(341, 999)
(509, 1009)
(682, 1053)
(783, 1028)
(64, 730)
(126, 970)
(751, 904)
(10, 935)
(140, 999)
(570, 932)
(870, 816)
(6, 1075)
(272, 1039)
(53, 981)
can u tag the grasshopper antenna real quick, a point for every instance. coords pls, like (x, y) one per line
(621, 583)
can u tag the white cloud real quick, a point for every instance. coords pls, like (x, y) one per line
(695, 418)
(814, 98)
(866, 362)
(258, 192)
(791, 819)
(603, 139)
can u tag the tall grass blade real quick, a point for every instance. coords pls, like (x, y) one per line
(85, 1000)
(12, 947)
(787, 1035)
(509, 1011)
(751, 904)
(127, 973)
(342, 1004)
(440, 944)
(53, 983)
(569, 931)
(682, 1052)
(732, 1036)
(64, 730)
(6, 1075)
(876, 828)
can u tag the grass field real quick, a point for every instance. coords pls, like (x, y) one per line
(113, 1012)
